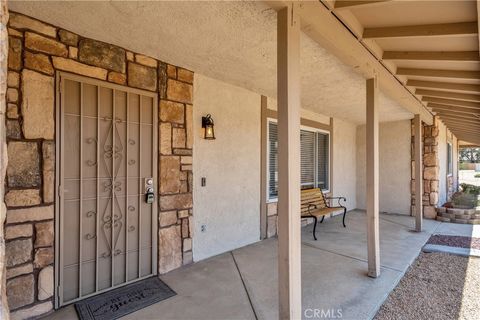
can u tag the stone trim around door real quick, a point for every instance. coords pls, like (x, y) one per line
(37, 50)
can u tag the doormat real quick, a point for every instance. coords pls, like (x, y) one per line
(124, 300)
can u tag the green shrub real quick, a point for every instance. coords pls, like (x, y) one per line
(464, 200)
(470, 189)
(477, 175)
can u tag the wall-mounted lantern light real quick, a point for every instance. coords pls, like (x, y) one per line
(207, 124)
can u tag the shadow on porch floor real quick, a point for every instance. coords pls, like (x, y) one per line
(243, 284)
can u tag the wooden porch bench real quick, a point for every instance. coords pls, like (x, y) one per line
(314, 205)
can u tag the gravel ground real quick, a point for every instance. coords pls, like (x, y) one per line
(455, 241)
(436, 286)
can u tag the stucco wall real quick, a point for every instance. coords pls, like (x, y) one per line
(344, 161)
(395, 175)
(229, 204)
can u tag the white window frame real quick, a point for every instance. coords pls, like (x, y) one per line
(449, 159)
(305, 128)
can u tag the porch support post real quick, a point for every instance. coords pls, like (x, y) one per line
(373, 242)
(417, 124)
(288, 94)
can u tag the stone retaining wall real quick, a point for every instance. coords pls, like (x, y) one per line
(37, 50)
(456, 215)
(430, 169)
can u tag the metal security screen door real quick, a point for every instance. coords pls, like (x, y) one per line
(106, 147)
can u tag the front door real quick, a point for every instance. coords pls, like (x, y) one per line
(106, 224)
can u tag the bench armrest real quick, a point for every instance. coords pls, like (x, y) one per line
(311, 205)
(339, 200)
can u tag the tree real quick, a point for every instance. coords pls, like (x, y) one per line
(471, 155)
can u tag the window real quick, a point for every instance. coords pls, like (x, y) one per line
(314, 159)
(449, 159)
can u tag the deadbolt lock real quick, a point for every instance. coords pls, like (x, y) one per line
(149, 190)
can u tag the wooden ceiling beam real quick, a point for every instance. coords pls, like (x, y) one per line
(444, 85)
(465, 134)
(452, 102)
(478, 25)
(455, 74)
(455, 111)
(461, 123)
(458, 113)
(432, 55)
(461, 120)
(471, 137)
(448, 95)
(467, 118)
(427, 30)
(348, 4)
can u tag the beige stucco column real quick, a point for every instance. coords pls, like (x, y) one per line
(289, 237)
(373, 242)
(418, 154)
(3, 151)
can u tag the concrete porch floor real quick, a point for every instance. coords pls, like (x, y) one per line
(243, 284)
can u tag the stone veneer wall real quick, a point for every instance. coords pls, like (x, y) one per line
(4, 314)
(430, 169)
(37, 50)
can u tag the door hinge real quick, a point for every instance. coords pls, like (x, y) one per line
(60, 191)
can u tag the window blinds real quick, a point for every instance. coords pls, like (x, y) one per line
(322, 160)
(272, 160)
(307, 159)
(314, 159)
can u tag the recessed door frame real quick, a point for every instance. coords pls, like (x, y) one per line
(59, 103)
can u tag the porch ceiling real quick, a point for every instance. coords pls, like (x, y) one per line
(432, 47)
(231, 41)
